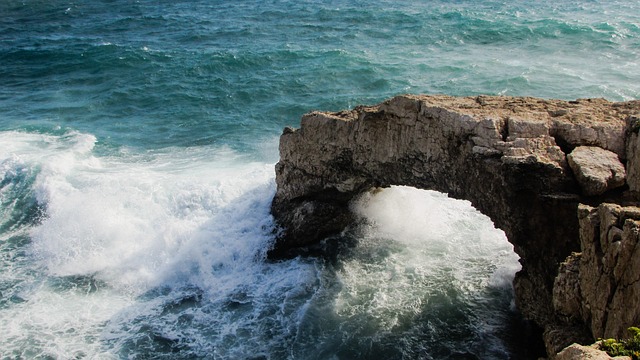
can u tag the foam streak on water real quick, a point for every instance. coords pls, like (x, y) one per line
(137, 145)
(163, 254)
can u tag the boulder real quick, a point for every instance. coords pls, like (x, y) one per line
(597, 170)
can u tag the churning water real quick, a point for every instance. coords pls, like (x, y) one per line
(137, 145)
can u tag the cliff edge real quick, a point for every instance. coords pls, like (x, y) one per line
(560, 178)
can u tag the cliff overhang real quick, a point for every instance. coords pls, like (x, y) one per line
(538, 168)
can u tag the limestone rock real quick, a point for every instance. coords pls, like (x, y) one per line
(507, 156)
(526, 128)
(597, 170)
(606, 295)
(557, 336)
(633, 153)
(580, 352)
(567, 298)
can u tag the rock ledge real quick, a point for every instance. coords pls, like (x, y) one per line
(509, 157)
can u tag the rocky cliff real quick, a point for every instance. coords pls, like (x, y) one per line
(526, 163)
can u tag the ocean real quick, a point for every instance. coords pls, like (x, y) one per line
(137, 148)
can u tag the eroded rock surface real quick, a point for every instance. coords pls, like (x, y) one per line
(597, 170)
(633, 153)
(580, 352)
(601, 286)
(506, 155)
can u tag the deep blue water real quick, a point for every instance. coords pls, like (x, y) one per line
(137, 144)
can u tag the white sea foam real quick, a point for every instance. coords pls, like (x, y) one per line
(167, 247)
(58, 324)
(418, 245)
(183, 217)
(128, 221)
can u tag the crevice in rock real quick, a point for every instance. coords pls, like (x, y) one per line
(565, 146)
(504, 130)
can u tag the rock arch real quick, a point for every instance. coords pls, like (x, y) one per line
(506, 155)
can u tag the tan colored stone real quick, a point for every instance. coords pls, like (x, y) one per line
(597, 170)
(527, 128)
(608, 290)
(567, 298)
(503, 154)
(580, 352)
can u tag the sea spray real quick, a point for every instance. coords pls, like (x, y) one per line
(424, 258)
(133, 258)
(114, 229)
(137, 143)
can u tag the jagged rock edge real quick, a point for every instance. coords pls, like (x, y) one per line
(544, 315)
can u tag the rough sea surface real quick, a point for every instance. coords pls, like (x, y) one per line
(137, 149)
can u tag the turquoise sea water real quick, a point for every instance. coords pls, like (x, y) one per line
(137, 144)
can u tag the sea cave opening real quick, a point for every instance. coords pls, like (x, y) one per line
(431, 271)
